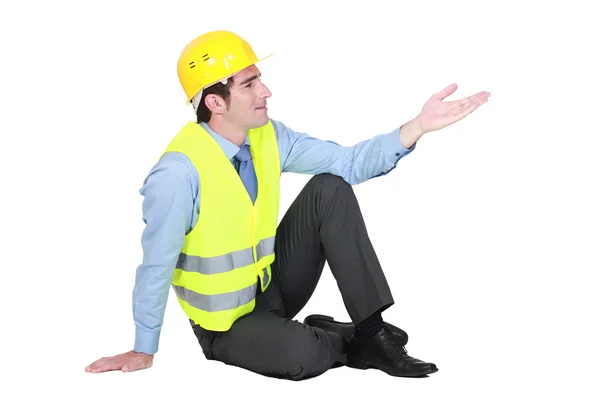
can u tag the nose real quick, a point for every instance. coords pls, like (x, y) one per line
(265, 92)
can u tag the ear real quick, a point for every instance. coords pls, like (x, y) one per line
(215, 103)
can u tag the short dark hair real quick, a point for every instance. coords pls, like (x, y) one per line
(203, 113)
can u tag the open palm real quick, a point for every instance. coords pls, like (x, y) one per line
(437, 114)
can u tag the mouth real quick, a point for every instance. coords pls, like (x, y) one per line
(263, 108)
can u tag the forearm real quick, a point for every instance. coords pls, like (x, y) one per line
(162, 241)
(149, 302)
(169, 193)
(303, 154)
(410, 133)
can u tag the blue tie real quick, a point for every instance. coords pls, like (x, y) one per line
(246, 171)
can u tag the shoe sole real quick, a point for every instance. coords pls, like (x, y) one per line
(369, 365)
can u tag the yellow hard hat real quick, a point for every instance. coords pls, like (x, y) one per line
(213, 57)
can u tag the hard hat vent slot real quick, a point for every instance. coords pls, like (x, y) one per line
(192, 65)
(205, 57)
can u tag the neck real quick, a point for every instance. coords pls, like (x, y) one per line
(234, 134)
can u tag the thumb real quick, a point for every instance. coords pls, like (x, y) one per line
(138, 363)
(446, 92)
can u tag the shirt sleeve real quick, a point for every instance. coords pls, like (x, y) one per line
(167, 209)
(304, 154)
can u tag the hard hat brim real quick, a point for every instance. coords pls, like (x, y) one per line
(190, 101)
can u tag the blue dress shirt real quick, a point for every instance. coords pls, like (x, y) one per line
(171, 205)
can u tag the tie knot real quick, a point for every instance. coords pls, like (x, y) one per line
(244, 154)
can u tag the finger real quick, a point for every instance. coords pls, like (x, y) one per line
(476, 98)
(95, 364)
(467, 100)
(107, 365)
(469, 109)
(459, 105)
(446, 92)
(100, 368)
(480, 97)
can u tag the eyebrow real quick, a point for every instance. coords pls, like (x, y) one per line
(248, 80)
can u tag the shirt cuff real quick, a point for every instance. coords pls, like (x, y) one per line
(146, 342)
(392, 147)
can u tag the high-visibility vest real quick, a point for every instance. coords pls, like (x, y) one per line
(231, 248)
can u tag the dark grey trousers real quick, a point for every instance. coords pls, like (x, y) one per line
(323, 223)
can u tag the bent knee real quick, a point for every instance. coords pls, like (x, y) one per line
(330, 185)
(328, 179)
(308, 363)
(310, 358)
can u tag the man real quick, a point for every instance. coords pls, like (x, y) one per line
(211, 211)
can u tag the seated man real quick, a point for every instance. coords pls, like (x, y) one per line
(211, 210)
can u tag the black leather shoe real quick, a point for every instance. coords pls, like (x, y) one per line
(346, 329)
(385, 352)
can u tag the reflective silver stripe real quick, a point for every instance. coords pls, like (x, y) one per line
(265, 247)
(215, 265)
(265, 279)
(227, 262)
(217, 302)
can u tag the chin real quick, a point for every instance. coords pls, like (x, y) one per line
(261, 121)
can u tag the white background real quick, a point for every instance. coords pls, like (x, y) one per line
(488, 231)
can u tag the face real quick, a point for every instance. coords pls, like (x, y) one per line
(248, 103)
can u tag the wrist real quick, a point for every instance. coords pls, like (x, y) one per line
(411, 132)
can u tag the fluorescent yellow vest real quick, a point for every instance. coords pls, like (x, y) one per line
(231, 248)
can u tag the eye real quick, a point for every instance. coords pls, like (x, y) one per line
(252, 83)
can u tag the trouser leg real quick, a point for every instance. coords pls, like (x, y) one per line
(325, 223)
(270, 345)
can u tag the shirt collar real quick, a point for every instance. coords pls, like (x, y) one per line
(230, 149)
